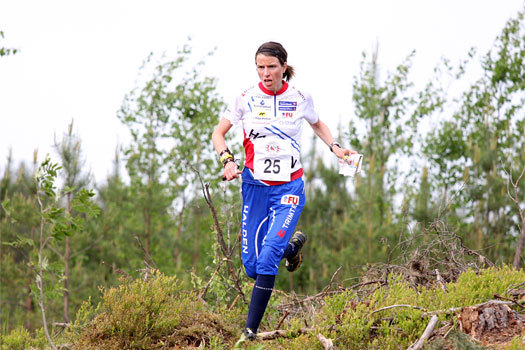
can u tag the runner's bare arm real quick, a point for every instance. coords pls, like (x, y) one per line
(322, 130)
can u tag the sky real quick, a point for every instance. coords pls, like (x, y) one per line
(78, 59)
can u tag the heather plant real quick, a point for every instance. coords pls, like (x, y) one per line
(21, 339)
(155, 312)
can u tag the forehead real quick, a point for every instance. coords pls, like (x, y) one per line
(263, 60)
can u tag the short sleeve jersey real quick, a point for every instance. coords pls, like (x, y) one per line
(272, 124)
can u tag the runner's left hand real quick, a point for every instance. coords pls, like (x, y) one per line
(342, 153)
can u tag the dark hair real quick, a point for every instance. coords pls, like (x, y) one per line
(271, 48)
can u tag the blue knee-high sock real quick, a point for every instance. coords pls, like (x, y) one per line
(262, 291)
(290, 250)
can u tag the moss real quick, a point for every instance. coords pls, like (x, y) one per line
(359, 327)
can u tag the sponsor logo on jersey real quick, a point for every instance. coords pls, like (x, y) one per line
(287, 114)
(287, 103)
(290, 199)
(281, 233)
(262, 97)
(260, 103)
(261, 116)
(254, 135)
(287, 108)
(273, 148)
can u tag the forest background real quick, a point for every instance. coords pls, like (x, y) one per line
(464, 171)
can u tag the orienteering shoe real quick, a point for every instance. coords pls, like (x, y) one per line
(293, 263)
(247, 334)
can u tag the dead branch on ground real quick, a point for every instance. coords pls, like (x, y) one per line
(398, 305)
(327, 343)
(426, 334)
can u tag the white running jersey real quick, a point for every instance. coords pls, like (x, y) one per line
(272, 123)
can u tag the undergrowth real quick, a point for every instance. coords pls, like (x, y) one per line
(157, 313)
(150, 314)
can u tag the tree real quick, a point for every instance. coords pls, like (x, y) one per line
(55, 224)
(70, 153)
(19, 222)
(169, 116)
(481, 141)
(382, 109)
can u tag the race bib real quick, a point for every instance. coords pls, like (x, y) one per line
(272, 160)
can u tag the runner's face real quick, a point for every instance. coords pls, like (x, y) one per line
(270, 71)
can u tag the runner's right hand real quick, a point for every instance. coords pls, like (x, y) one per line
(231, 171)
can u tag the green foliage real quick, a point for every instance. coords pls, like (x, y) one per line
(169, 115)
(516, 343)
(476, 137)
(480, 142)
(151, 314)
(358, 327)
(20, 339)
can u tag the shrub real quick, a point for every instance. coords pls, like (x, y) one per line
(20, 339)
(151, 314)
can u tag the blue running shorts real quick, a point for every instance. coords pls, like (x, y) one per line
(269, 217)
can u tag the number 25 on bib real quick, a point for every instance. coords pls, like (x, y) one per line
(272, 160)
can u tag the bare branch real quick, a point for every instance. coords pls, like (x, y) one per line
(205, 290)
(521, 239)
(327, 343)
(279, 333)
(146, 253)
(282, 319)
(426, 334)
(456, 309)
(220, 236)
(397, 305)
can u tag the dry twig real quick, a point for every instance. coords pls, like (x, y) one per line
(327, 343)
(397, 305)
(279, 333)
(220, 237)
(426, 334)
(514, 198)
(282, 319)
(459, 308)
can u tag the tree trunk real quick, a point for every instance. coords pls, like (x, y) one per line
(66, 266)
(195, 238)
(29, 299)
(519, 248)
(147, 216)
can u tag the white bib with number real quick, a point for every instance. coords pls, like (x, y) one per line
(272, 159)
